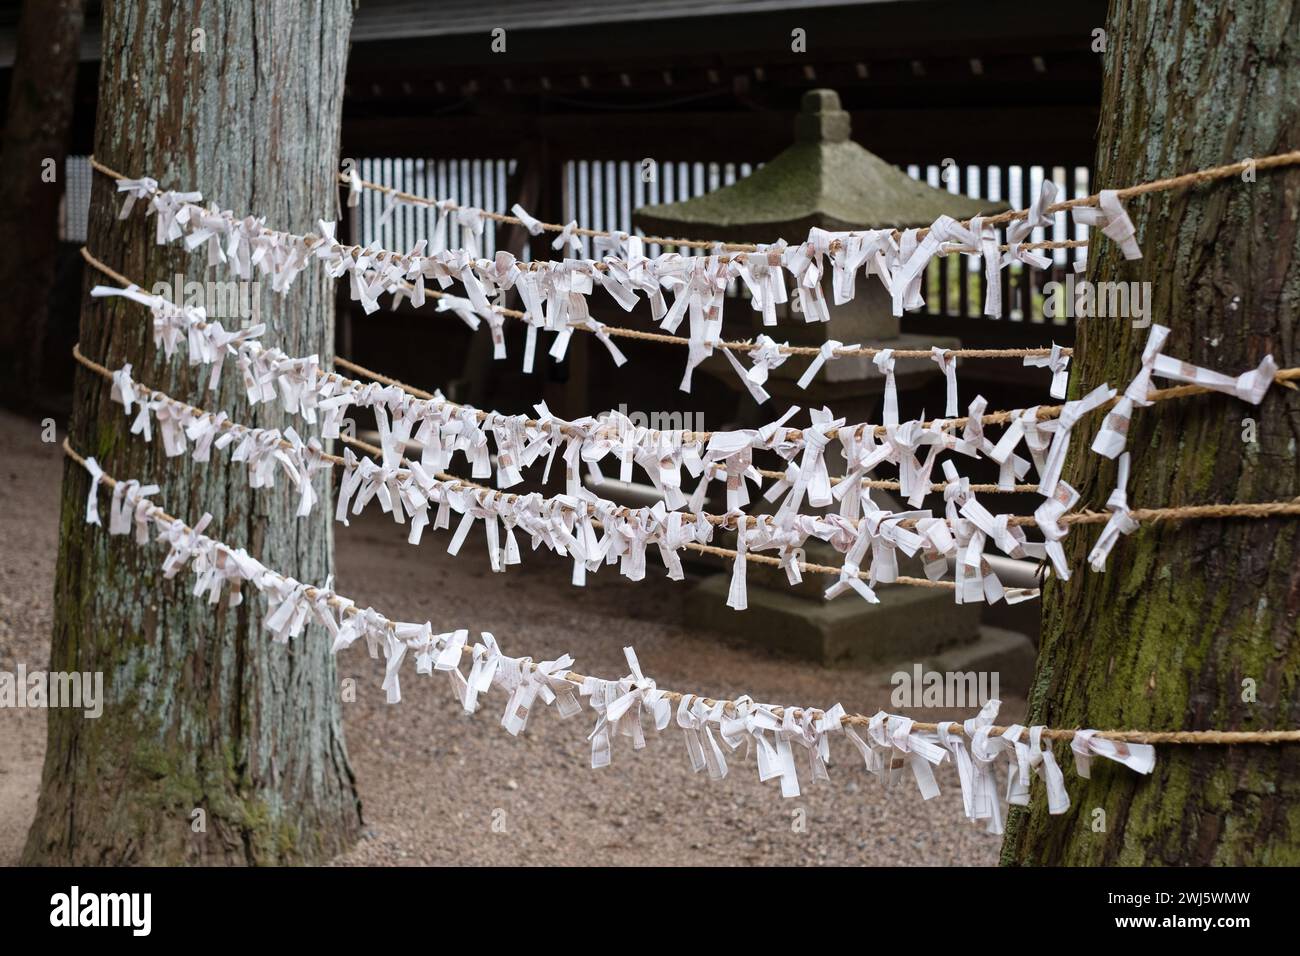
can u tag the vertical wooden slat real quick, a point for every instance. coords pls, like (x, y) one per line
(453, 193)
(391, 167)
(502, 187)
(1060, 228)
(959, 264)
(595, 212)
(625, 195)
(932, 172)
(982, 282)
(389, 176)
(1004, 190)
(482, 200)
(365, 210)
(358, 217)
(1027, 275)
(929, 278)
(612, 205)
(402, 212)
(582, 196)
(429, 184)
(609, 198)
(381, 174)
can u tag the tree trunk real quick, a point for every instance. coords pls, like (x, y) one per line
(240, 100)
(1187, 616)
(41, 97)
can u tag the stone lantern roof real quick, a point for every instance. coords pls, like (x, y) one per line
(824, 179)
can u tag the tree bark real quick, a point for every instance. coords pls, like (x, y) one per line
(202, 711)
(1186, 614)
(35, 145)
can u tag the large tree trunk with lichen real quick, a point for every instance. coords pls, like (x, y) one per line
(1190, 623)
(240, 100)
(35, 144)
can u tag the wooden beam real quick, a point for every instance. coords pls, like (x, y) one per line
(1062, 135)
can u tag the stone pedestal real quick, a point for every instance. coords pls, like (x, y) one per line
(909, 623)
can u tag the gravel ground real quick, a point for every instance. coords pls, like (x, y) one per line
(438, 787)
(30, 471)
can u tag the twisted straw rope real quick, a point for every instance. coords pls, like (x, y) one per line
(1198, 177)
(1284, 377)
(417, 200)
(1191, 737)
(619, 331)
(1258, 510)
(688, 436)
(1142, 515)
(509, 497)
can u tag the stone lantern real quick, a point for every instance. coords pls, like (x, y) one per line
(827, 180)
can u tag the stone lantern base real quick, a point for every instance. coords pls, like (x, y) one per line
(909, 623)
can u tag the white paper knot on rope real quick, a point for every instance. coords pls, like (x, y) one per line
(1011, 466)
(1140, 758)
(355, 187)
(702, 747)
(874, 251)
(261, 449)
(1060, 429)
(534, 226)
(813, 479)
(1109, 214)
(567, 240)
(1059, 366)
(131, 508)
(766, 356)
(1048, 516)
(983, 238)
(1021, 230)
(92, 498)
(947, 363)
(884, 362)
(1120, 521)
(978, 785)
(763, 277)
(1249, 387)
(805, 265)
(1113, 435)
(143, 188)
(619, 706)
(825, 352)
(527, 682)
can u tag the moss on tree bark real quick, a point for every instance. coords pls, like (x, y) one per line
(242, 101)
(1186, 613)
